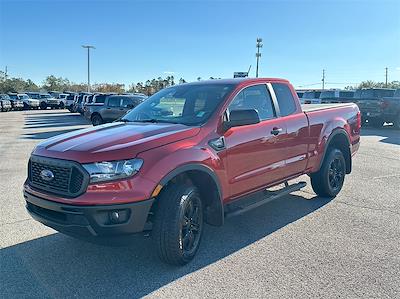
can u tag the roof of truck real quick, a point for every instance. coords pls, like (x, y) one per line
(235, 81)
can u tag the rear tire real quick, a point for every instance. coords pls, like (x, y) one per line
(97, 120)
(178, 224)
(328, 181)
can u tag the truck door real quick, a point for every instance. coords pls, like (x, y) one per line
(112, 107)
(296, 137)
(255, 153)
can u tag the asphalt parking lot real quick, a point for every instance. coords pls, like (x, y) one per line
(299, 246)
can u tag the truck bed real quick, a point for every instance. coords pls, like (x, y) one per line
(315, 107)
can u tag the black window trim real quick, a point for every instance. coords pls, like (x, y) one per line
(268, 89)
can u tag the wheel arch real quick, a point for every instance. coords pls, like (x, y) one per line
(209, 186)
(95, 114)
(339, 139)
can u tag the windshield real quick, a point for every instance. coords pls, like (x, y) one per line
(45, 96)
(373, 93)
(348, 94)
(184, 104)
(13, 96)
(311, 95)
(23, 96)
(4, 97)
(327, 94)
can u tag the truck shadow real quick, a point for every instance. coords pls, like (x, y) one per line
(54, 120)
(59, 266)
(388, 134)
(43, 125)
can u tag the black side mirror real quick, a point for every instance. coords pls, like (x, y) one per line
(242, 118)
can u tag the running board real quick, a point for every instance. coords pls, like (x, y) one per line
(273, 195)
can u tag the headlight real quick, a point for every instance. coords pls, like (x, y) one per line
(114, 170)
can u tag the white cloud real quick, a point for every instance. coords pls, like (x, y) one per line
(169, 72)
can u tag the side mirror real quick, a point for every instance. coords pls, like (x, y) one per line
(130, 106)
(242, 118)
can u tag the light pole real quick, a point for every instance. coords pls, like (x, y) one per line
(88, 64)
(258, 54)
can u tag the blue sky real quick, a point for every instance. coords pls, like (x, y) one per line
(140, 40)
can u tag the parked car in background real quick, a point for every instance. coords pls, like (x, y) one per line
(16, 103)
(115, 107)
(337, 96)
(69, 101)
(78, 102)
(97, 100)
(45, 100)
(28, 102)
(311, 97)
(5, 102)
(63, 100)
(375, 105)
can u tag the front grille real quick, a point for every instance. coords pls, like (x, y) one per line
(68, 177)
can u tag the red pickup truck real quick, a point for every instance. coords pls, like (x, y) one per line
(190, 154)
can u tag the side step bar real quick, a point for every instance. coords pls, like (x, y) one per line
(273, 195)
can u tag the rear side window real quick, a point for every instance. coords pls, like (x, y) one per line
(126, 102)
(285, 99)
(100, 98)
(114, 101)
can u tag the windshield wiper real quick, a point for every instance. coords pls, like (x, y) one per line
(150, 120)
(153, 120)
(123, 120)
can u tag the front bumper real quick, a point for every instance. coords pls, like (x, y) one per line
(32, 104)
(92, 223)
(53, 104)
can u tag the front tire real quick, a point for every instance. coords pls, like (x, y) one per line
(178, 224)
(43, 106)
(328, 181)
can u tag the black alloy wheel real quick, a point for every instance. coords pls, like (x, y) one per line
(336, 174)
(191, 226)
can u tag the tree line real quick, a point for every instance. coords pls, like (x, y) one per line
(53, 83)
(148, 87)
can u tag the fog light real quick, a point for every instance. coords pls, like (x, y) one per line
(118, 216)
(114, 216)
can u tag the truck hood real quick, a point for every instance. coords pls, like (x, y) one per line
(114, 141)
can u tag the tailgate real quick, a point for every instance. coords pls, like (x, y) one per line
(369, 105)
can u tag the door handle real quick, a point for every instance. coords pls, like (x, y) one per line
(275, 131)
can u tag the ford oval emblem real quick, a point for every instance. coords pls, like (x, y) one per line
(46, 175)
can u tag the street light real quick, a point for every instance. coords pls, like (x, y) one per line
(88, 64)
(258, 54)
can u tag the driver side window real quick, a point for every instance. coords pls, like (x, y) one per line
(254, 97)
